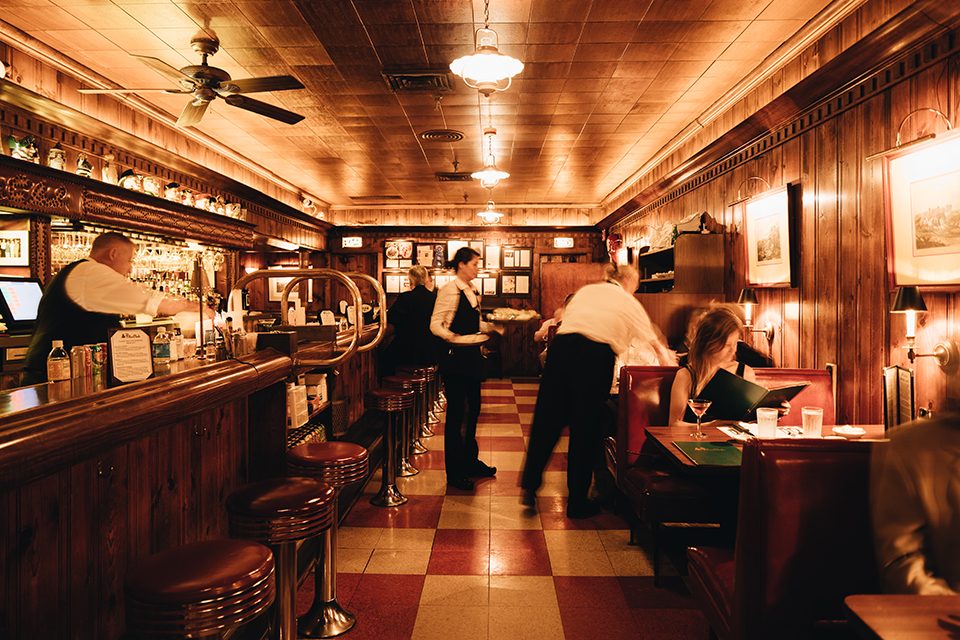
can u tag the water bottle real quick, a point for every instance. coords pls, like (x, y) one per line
(161, 348)
(58, 363)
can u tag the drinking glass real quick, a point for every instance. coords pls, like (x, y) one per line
(699, 407)
(812, 421)
(767, 422)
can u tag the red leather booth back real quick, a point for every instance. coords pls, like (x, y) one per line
(804, 539)
(644, 400)
(818, 394)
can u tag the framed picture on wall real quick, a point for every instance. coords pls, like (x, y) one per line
(768, 238)
(432, 255)
(477, 245)
(492, 257)
(515, 285)
(453, 246)
(922, 189)
(14, 248)
(397, 254)
(275, 288)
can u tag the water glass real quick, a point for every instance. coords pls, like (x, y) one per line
(767, 422)
(812, 421)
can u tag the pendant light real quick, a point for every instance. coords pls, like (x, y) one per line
(490, 215)
(490, 176)
(486, 69)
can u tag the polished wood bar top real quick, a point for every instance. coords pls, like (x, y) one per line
(905, 617)
(664, 437)
(49, 427)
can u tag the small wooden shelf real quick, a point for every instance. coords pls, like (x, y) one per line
(697, 261)
(323, 407)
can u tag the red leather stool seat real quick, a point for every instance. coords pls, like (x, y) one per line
(334, 463)
(427, 371)
(281, 509)
(200, 588)
(406, 381)
(389, 399)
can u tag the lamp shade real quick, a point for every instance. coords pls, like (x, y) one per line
(908, 299)
(748, 296)
(486, 70)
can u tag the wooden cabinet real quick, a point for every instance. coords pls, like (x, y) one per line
(696, 260)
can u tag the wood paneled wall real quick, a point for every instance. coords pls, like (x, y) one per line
(465, 216)
(838, 313)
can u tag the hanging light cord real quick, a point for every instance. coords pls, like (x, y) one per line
(486, 14)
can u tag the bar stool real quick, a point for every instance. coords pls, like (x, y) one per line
(396, 403)
(337, 464)
(199, 589)
(281, 512)
(419, 384)
(430, 373)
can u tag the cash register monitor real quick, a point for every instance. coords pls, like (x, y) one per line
(19, 299)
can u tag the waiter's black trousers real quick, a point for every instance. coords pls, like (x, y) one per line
(575, 383)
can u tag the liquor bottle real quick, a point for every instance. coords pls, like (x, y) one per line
(161, 348)
(177, 344)
(58, 363)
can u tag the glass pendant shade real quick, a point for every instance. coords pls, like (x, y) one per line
(490, 215)
(486, 69)
(490, 176)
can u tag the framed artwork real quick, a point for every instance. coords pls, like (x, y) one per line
(14, 248)
(397, 254)
(767, 234)
(515, 285)
(453, 246)
(441, 279)
(275, 288)
(922, 197)
(492, 257)
(432, 255)
(396, 282)
(516, 258)
(477, 245)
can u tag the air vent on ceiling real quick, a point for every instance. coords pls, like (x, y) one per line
(453, 176)
(406, 80)
(442, 135)
(374, 198)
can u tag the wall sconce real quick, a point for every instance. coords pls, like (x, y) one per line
(748, 299)
(909, 301)
(900, 146)
(743, 198)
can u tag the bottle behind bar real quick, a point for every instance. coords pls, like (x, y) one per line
(58, 363)
(161, 348)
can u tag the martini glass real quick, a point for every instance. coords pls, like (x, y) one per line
(699, 407)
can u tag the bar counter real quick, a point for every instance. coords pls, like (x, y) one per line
(92, 482)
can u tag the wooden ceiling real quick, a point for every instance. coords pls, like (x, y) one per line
(606, 83)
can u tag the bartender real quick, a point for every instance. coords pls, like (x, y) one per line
(87, 297)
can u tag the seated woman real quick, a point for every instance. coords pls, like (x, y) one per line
(714, 347)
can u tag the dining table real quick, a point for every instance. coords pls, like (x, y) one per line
(666, 437)
(904, 617)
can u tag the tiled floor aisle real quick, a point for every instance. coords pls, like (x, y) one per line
(479, 566)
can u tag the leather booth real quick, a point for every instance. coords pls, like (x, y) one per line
(803, 543)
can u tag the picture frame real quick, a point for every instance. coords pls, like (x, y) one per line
(431, 255)
(398, 254)
(922, 208)
(516, 258)
(276, 285)
(492, 257)
(395, 283)
(14, 248)
(768, 238)
(515, 285)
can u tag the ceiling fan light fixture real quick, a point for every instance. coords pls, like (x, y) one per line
(490, 215)
(486, 69)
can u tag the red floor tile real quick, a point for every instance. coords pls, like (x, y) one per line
(388, 589)
(596, 592)
(462, 539)
(497, 400)
(383, 621)
(420, 512)
(461, 562)
(590, 622)
(551, 504)
(641, 594)
(669, 624)
(519, 562)
(501, 443)
(513, 539)
(346, 585)
(498, 418)
(430, 460)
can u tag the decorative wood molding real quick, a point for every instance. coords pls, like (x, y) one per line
(35, 189)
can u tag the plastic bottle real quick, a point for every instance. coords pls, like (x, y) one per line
(161, 348)
(58, 363)
(176, 345)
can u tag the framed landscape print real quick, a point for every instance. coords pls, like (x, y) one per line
(922, 197)
(767, 234)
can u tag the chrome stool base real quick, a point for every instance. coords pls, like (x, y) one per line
(389, 496)
(417, 447)
(432, 418)
(325, 620)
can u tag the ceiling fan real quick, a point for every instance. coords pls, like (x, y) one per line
(205, 83)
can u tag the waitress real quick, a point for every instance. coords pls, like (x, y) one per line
(456, 320)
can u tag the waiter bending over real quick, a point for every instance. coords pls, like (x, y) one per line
(87, 297)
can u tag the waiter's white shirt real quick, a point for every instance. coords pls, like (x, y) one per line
(97, 287)
(604, 312)
(445, 309)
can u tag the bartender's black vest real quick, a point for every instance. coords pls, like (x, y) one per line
(60, 318)
(464, 360)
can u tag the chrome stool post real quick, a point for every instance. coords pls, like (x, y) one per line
(412, 443)
(396, 403)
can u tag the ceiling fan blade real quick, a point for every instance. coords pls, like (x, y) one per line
(268, 83)
(159, 65)
(174, 91)
(192, 113)
(264, 109)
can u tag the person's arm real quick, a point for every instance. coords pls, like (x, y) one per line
(899, 524)
(444, 311)
(173, 306)
(679, 393)
(544, 330)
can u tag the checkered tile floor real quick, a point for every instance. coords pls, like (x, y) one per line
(480, 566)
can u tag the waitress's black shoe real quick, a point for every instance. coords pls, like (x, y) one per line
(464, 484)
(483, 471)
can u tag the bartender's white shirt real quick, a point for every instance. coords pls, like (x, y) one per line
(445, 309)
(96, 287)
(604, 312)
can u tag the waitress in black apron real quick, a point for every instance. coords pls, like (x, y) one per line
(456, 320)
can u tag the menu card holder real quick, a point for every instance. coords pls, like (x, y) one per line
(898, 406)
(130, 355)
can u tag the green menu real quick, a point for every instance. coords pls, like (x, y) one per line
(711, 453)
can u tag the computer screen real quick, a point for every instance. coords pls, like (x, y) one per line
(19, 299)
